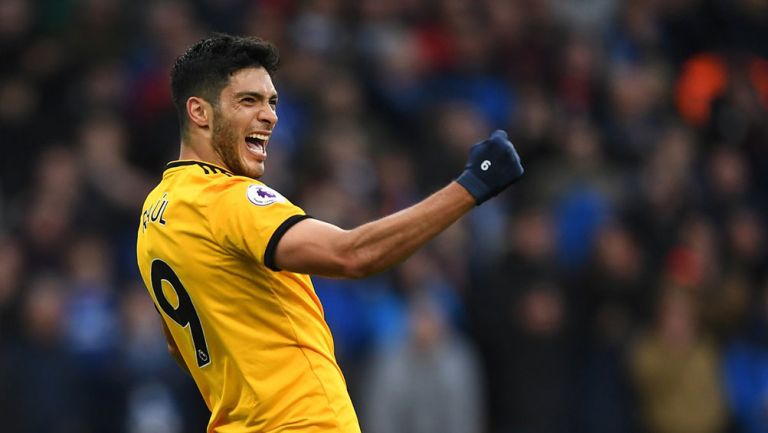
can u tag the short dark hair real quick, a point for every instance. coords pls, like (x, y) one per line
(205, 68)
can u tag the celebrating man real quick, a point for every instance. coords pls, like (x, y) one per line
(227, 259)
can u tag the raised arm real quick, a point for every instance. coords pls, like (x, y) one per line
(319, 248)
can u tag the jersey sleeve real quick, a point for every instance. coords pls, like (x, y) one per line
(249, 218)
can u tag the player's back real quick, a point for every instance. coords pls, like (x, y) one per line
(254, 338)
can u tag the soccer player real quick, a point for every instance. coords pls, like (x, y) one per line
(227, 259)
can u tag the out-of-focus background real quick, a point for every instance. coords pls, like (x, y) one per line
(620, 287)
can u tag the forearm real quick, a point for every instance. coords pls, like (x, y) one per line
(319, 248)
(380, 244)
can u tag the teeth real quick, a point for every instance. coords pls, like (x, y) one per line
(263, 137)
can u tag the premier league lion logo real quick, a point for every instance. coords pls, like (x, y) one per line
(262, 195)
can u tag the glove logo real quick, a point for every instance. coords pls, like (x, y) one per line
(485, 165)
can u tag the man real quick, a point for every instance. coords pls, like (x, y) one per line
(226, 258)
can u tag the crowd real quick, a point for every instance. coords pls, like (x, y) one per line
(620, 287)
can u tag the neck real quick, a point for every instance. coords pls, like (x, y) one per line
(199, 152)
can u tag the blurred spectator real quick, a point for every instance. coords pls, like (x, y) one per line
(144, 349)
(675, 370)
(46, 214)
(428, 383)
(636, 33)
(45, 380)
(615, 289)
(663, 192)
(151, 409)
(91, 332)
(91, 319)
(493, 315)
(343, 147)
(397, 182)
(114, 187)
(535, 129)
(637, 100)
(582, 189)
(729, 181)
(456, 127)
(151, 374)
(18, 132)
(714, 87)
(610, 300)
(362, 315)
(746, 370)
(746, 242)
(577, 87)
(592, 15)
(538, 379)
(12, 271)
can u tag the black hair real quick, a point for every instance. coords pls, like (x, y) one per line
(205, 68)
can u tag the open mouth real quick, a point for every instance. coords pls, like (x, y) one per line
(257, 144)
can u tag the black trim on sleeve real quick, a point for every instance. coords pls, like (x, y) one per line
(269, 253)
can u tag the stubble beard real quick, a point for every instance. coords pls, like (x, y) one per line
(225, 143)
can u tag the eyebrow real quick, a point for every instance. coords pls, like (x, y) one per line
(256, 95)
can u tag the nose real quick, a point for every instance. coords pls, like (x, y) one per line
(268, 115)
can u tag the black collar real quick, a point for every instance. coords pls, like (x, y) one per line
(207, 167)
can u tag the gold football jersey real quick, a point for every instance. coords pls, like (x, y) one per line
(253, 337)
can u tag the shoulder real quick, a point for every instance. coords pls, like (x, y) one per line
(213, 184)
(239, 190)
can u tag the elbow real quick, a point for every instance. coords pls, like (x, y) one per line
(173, 351)
(353, 259)
(354, 270)
(356, 266)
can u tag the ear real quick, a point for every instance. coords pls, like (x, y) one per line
(200, 112)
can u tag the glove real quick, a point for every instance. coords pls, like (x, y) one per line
(493, 165)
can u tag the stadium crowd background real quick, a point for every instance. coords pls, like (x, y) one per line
(621, 286)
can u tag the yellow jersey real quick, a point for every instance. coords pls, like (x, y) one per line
(253, 337)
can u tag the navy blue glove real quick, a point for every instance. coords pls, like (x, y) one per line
(493, 165)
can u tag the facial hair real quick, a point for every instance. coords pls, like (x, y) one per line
(225, 142)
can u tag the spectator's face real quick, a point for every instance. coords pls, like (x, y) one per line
(678, 322)
(243, 121)
(44, 310)
(542, 312)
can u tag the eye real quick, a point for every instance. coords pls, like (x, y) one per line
(273, 103)
(248, 100)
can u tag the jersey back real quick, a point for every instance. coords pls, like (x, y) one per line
(253, 337)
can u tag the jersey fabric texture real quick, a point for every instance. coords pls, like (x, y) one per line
(253, 337)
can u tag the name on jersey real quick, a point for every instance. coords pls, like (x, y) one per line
(155, 213)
